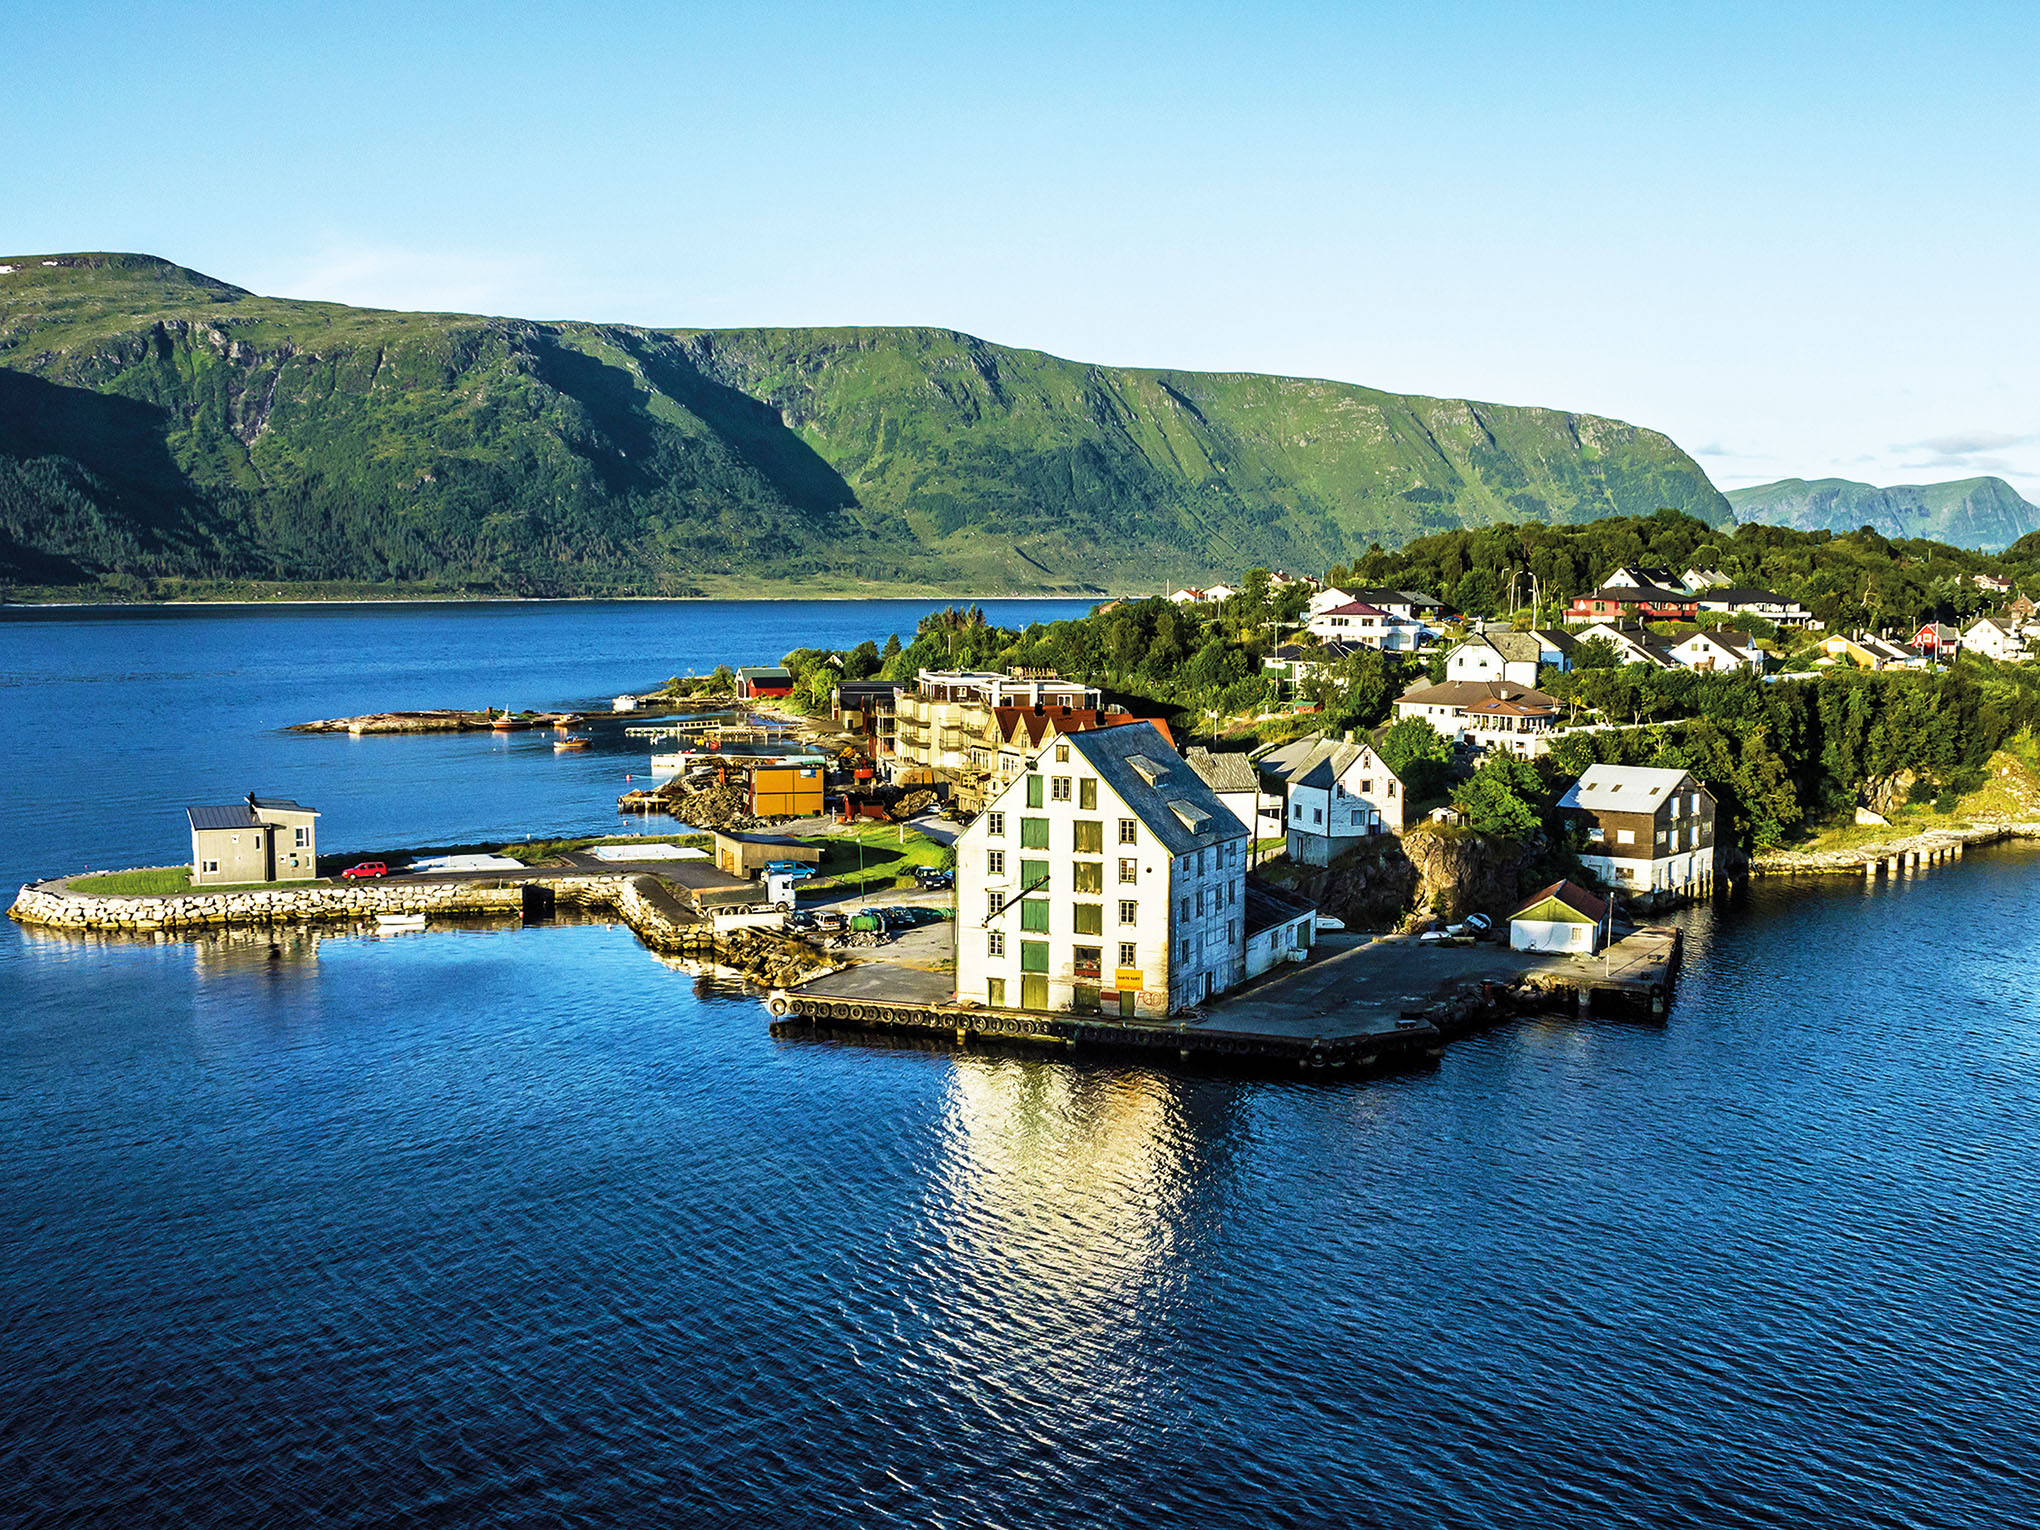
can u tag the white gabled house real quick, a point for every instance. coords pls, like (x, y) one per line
(1634, 645)
(1996, 638)
(1106, 877)
(1511, 656)
(1331, 595)
(1723, 648)
(1335, 793)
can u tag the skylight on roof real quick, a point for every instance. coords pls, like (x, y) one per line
(1151, 770)
(1192, 817)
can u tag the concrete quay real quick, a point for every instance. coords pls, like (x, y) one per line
(1369, 1005)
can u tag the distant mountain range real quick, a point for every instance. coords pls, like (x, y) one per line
(159, 427)
(1987, 514)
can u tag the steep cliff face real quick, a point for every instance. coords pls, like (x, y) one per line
(156, 423)
(1460, 872)
(1429, 872)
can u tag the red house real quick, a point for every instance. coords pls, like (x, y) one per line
(759, 684)
(1937, 640)
(1646, 602)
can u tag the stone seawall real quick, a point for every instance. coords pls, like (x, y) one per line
(652, 911)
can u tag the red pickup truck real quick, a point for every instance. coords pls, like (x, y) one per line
(367, 869)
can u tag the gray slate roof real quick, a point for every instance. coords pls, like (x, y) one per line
(1176, 793)
(1222, 772)
(243, 814)
(237, 816)
(1313, 760)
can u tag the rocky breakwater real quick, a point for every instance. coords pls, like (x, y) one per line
(437, 720)
(664, 919)
(58, 906)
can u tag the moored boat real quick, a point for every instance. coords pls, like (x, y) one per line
(400, 921)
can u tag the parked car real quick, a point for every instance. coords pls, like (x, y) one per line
(367, 869)
(929, 877)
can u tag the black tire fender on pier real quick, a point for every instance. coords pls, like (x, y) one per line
(778, 1006)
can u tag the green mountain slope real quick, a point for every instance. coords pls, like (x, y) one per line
(158, 425)
(1984, 513)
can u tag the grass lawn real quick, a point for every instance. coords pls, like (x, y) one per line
(153, 882)
(161, 881)
(885, 860)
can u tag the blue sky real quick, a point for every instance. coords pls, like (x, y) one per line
(1800, 239)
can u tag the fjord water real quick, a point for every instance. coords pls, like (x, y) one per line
(528, 1227)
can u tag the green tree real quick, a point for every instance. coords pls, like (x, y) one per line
(861, 662)
(1420, 755)
(1502, 797)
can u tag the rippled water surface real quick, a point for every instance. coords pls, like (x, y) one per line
(527, 1227)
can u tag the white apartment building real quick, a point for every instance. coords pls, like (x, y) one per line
(1106, 878)
(937, 721)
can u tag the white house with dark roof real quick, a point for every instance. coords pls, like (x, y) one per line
(1722, 648)
(1108, 876)
(1336, 792)
(1996, 638)
(1735, 600)
(1632, 642)
(1511, 656)
(258, 839)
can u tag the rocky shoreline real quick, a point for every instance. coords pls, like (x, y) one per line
(436, 720)
(1906, 848)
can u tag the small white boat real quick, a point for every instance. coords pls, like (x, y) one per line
(400, 921)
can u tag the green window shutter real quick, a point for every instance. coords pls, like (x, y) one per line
(1090, 836)
(1090, 918)
(1034, 916)
(1034, 956)
(1033, 873)
(1034, 833)
(1087, 876)
(1087, 796)
(1034, 791)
